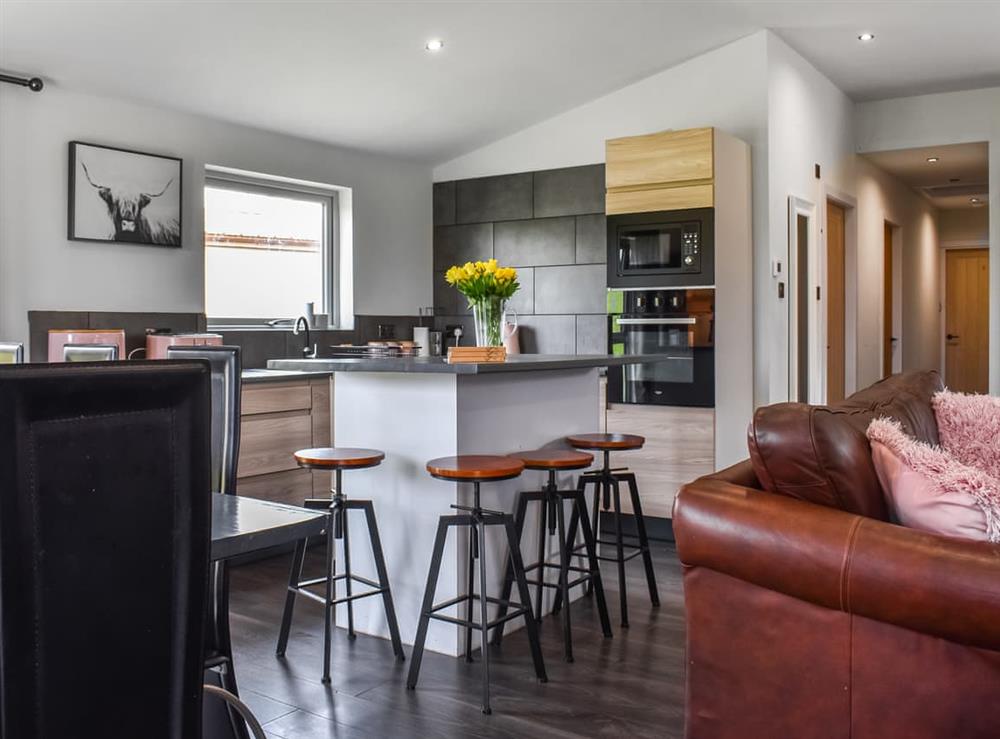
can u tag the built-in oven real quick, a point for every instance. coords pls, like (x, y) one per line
(678, 325)
(672, 248)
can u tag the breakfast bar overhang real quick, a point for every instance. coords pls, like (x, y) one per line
(417, 409)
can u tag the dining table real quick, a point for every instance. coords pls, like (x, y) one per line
(243, 526)
(246, 526)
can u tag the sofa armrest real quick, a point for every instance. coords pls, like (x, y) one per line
(931, 584)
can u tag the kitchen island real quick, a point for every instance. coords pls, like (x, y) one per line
(421, 408)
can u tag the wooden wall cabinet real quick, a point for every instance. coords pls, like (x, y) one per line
(279, 418)
(669, 170)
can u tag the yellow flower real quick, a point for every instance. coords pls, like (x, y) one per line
(491, 266)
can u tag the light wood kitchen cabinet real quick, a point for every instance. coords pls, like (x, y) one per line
(279, 418)
(668, 170)
(680, 446)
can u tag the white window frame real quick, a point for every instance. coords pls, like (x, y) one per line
(225, 179)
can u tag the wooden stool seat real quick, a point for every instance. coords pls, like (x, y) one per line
(330, 458)
(606, 442)
(554, 459)
(475, 467)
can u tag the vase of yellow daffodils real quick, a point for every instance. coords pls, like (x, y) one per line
(487, 286)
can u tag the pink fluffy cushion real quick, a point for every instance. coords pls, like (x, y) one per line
(969, 427)
(928, 489)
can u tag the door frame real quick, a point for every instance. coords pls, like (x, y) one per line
(850, 207)
(946, 246)
(896, 329)
(798, 206)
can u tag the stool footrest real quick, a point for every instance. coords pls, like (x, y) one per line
(626, 558)
(322, 581)
(554, 566)
(607, 542)
(337, 601)
(571, 584)
(517, 612)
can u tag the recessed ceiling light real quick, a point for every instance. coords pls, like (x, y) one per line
(435, 44)
(932, 159)
(866, 36)
(975, 201)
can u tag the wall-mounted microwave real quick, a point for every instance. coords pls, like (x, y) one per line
(671, 248)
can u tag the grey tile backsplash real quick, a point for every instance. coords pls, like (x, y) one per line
(535, 242)
(503, 198)
(548, 224)
(569, 192)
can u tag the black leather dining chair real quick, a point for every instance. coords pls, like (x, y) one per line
(226, 390)
(105, 529)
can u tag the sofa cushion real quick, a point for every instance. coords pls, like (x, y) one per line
(820, 454)
(969, 426)
(928, 489)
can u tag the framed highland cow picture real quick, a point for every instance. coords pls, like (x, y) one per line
(122, 196)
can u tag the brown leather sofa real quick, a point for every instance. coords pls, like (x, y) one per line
(809, 614)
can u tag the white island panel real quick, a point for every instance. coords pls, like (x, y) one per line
(415, 417)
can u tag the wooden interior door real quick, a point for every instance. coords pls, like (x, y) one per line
(967, 297)
(835, 318)
(887, 337)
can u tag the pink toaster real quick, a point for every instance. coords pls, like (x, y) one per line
(157, 344)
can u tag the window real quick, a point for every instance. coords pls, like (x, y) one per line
(269, 250)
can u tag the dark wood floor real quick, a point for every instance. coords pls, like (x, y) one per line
(628, 686)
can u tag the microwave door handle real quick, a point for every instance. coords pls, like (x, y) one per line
(657, 321)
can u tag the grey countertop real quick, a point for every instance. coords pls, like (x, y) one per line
(519, 363)
(253, 376)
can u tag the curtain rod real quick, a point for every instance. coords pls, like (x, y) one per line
(34, 84)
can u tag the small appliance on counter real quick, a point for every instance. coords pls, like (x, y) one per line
(422, 338)
(677, 323)
(158, 341)
(59, 338)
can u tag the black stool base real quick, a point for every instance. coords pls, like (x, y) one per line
(477, 521)
(552, 513)
(607, 484)
(338, 507)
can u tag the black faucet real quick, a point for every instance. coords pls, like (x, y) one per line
(308, 349)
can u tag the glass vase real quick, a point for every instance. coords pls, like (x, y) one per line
(488, 314)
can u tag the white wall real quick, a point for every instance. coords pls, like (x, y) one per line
(810, 121)
(882, 198)
(946, 118)
(41, 269)
(964, 225)
(725, 88)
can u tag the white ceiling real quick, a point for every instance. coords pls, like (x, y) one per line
(960, 173)
(356, 73)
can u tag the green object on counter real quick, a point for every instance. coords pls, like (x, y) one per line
(616, 301)
(618, 350)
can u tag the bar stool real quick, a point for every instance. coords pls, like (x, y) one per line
(476, 469)
(551, 513)
(338, 460)
(606, 480)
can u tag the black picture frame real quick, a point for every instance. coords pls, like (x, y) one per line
(127, 195)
